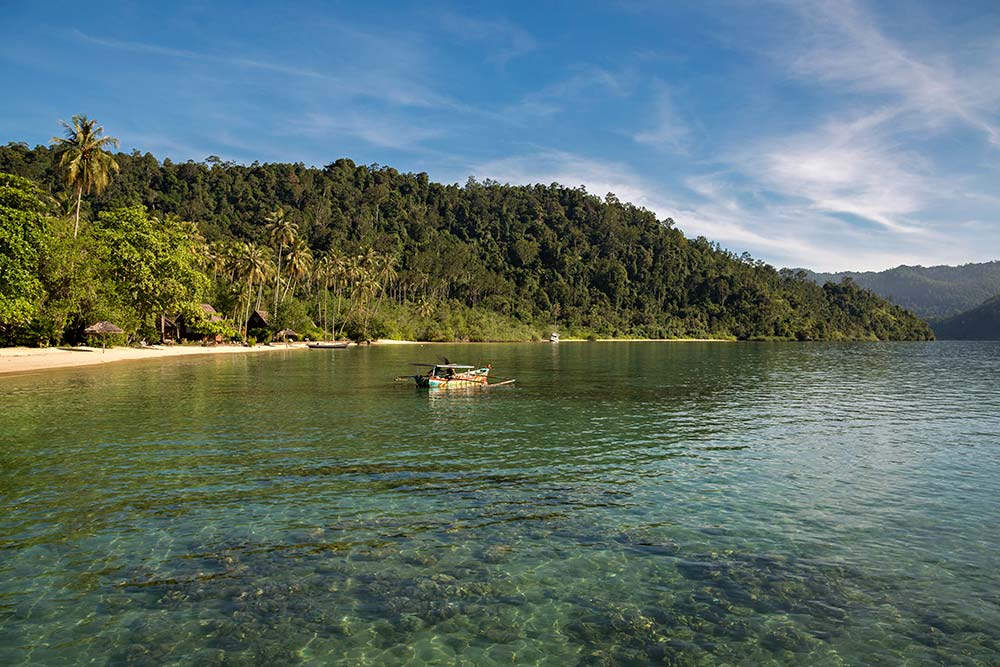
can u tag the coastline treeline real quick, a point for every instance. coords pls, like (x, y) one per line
(366, 252)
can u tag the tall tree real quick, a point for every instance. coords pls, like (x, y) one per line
(300, 260)
(22, 233)
(81, 154)
(154, 265)
(282, 232)
(254, 262)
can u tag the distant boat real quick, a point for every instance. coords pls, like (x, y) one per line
(454, 376)
(553, 337)
(323, 345)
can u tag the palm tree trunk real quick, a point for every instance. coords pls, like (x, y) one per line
(289, 286)
(79, 197)
(246, 319)
(277, 278)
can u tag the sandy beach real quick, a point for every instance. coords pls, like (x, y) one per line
(389, 341)
(29, 359)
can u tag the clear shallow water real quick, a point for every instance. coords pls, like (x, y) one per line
(623, 504)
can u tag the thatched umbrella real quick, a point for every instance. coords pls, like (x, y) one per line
(285, 334)
(103, 329)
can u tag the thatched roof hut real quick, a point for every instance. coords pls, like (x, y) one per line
(258, 320)
(102, 329)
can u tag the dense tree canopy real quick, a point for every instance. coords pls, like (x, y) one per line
(929, 291)
(979, 323)
(22, 235)
(388, 253)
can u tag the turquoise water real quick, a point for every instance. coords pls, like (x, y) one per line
(622, 504)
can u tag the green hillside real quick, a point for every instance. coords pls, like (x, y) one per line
(980, 323)
(929, 292)
(407, 257)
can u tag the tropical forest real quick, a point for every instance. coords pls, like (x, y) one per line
(365, 252)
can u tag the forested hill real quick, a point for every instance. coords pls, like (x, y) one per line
(929, 292)
(544, 255)
(980, 323)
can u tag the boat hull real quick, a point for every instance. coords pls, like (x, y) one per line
(473, 379)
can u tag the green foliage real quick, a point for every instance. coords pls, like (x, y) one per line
(934, 292)
(153, 264)
(22, 238)
(370, 251)
(294, 315)
(980, 323)
(85, 164)
(197, 321)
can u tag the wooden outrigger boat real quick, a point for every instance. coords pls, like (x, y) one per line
(454, 376)
(327, 345)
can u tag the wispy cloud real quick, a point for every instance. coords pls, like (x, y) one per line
(153, 49)
(500, 38)
(381, 131)
(350, 81)
(843, 168)
(668, 129)
(588, 84)
(866, 158)
(845, 48)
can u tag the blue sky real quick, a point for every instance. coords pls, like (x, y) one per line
(832, 135)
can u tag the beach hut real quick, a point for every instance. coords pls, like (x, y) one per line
(187, 329)
(258, 320)
(285, 334)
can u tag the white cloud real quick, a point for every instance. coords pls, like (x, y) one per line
(376, 130)
(843, 169)
(870, 158)
(845, 48)
(380, 83)
(668, 130)
(584, 87)
(502, 39)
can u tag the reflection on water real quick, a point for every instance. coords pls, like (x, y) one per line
(627, 503)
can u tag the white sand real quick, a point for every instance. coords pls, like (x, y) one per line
(27, 359)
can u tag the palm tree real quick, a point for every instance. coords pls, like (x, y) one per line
(352, 272)
(253, 263)
(282, 232)
(88, 167)
(383, 273)
(300, 261)
(325, 276)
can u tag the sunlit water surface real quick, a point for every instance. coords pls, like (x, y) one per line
(621, 504)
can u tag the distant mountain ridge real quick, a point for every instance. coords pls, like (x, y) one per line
(982, 323)
(931, 292)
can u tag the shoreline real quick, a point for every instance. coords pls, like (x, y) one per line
(20, 360)
(392, 341)
(17, 360)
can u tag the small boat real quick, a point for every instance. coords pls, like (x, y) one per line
(327, 345)
(553, 337)
(454, 376)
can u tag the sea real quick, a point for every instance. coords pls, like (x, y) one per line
(621, 503)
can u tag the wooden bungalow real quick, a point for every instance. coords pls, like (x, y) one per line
(169, 331)
(259, 319)
(178, 328)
